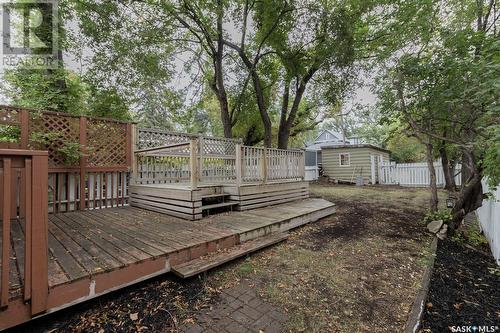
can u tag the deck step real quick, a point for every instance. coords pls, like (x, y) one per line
(203, 264)
(216, 195)
(220, 204)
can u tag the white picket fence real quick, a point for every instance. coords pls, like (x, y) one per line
(413, 174)
(489, 219)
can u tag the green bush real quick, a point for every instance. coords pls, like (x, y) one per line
(470, 234)
(71, 151)
(443, 214)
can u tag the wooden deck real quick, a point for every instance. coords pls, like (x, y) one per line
(180, 200)
(96, 251)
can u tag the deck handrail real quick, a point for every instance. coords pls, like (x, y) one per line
(161, 148)
(23, 188)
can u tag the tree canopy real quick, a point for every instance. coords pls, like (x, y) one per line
(290, 61)
(444, 91)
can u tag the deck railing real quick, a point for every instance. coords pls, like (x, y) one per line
(89, 158)
(23, 192)
(166, 157)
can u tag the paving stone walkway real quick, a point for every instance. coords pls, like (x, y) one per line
(239, 310)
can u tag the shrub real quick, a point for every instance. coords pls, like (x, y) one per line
(443, 214)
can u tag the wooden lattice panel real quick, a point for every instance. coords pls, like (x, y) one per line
(53, 132)
(152, 138)
(106, 143)
(218, 147)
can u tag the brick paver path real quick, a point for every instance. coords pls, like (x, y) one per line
(240, 310)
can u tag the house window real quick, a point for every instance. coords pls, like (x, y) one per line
(345, 159)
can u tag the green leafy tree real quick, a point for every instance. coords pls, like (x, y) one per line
(444, 92)
(405, 149)
(58, 88)
(34, 88)
(304, 44)
(268, 51)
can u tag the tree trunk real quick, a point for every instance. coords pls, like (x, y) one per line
(432, 174)
(266, 120)
(283, 134)
(219, 76)
(448, 170)
(259, 91)
(470, 196)
(287, 118)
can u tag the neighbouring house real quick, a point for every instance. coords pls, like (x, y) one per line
(347, 162)
(313, 155)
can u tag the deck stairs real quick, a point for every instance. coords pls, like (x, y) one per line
(215, 259)
(218, 202)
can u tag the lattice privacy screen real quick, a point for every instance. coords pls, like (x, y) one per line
(104, 143)
(151, 138)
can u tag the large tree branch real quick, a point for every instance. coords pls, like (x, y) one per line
(237, 104)
(487, 15)
(207, 35)
(298, 95)
(417, 129)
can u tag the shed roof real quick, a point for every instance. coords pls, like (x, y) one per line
(354, 147)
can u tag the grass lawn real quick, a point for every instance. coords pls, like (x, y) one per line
(355, 271)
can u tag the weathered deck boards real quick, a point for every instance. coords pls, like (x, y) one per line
(251, 196)
(210, 261)
(94, 252)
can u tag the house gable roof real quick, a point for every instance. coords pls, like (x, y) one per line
(333, 136)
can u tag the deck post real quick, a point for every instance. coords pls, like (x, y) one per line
(193, 161)
(6, 184)
(39, 234)
(302, 166)
(133, 158)
(200, 158)
(238, 164)
(129, 144)
(264, 165)
(24, 119)
(83, 160)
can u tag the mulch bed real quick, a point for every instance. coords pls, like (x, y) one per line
(464, 289)
(157, 305)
